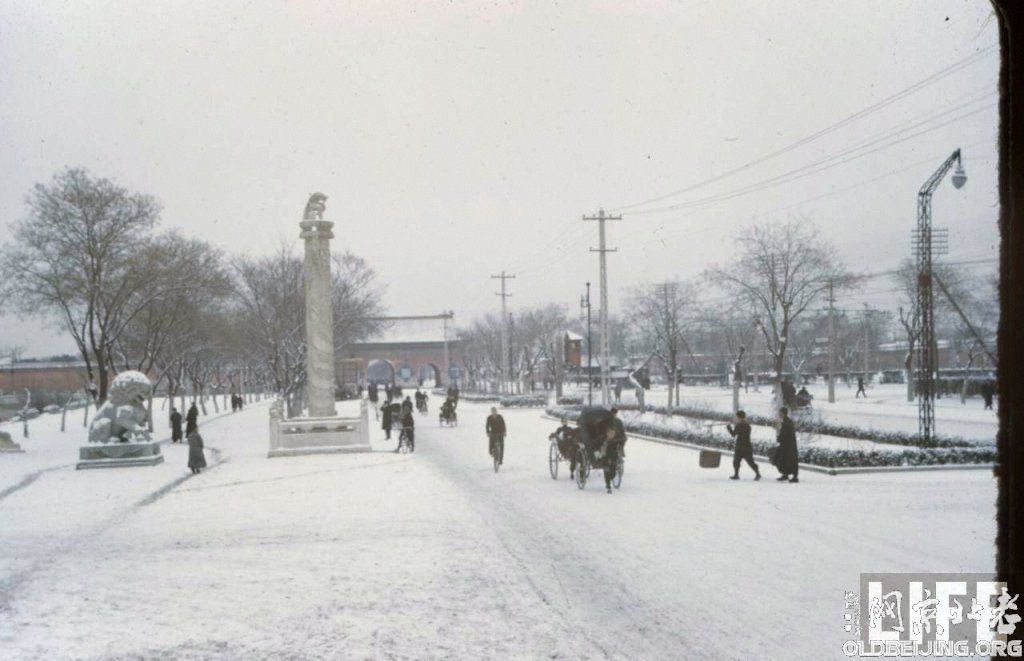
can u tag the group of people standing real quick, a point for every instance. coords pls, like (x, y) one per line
(196, 457)
(785, 457)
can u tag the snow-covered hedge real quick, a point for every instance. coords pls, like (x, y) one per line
(537, 400)
(815, 427)
(817, 456)
(469, 396)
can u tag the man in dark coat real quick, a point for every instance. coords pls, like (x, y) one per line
(614, 447)
(744, 451)
(860, 388)
(371, 393)
(496, 432)
(196, 458)
(565, 437)
(385, 420)
(175, 426)
(192, 419)
(786, 457)
(988, 392)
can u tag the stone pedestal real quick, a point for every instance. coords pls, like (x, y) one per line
(7, 444)
(115, 455)
(298, 436)
(319, 318)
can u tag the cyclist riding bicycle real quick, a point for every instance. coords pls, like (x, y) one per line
(408, 432)
(496, 435)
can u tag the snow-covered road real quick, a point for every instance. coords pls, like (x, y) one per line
(434, 555)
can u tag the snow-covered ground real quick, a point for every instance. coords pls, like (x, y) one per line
(433, 555)
(885, 408)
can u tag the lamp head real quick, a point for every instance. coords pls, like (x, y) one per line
(959, 177)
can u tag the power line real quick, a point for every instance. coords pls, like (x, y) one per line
(942, 73)
(818, 166)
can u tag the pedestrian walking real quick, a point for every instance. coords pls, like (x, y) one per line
(196, 458)
(744, 450)
(385, 420)
(860, 388)
(786, 458)
(618, 391)
(176, 435)
(988, 392)
(191, 419)
(614, 447)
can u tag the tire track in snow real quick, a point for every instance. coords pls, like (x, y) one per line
(603, 609)
(28, 480)
(14, 582)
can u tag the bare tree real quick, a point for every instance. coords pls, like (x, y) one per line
(909, 313)
(659, 312)
(805, 340)
(781, 270)
(80, 254)
(535, 330)
(481, 350)
(269, 313)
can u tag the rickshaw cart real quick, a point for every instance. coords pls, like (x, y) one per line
(593, 424)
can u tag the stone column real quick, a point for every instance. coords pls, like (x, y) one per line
(319, 318)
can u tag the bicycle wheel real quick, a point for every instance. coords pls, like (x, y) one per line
(498, 452)
(553, 456)
(620, 468)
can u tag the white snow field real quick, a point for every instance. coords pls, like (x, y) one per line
(434, 555)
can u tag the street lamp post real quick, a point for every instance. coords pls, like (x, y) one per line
(925, 249)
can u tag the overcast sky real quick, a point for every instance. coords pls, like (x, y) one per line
(455, 140)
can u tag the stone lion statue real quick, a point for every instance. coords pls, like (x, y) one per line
(315, 207)
(123, 417)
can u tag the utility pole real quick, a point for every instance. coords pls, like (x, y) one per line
(585, 303)
(504, 368)
(513, 386)
(831, 343)
(602, 251)
(447, 376)
(867, 340)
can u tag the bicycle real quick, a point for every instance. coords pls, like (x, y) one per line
(497, 451)
(405, 442)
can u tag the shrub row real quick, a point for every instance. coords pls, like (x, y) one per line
(815, 427)
(817, 456)
(537, 401)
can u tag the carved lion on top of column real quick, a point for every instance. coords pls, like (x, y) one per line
(315, 207)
